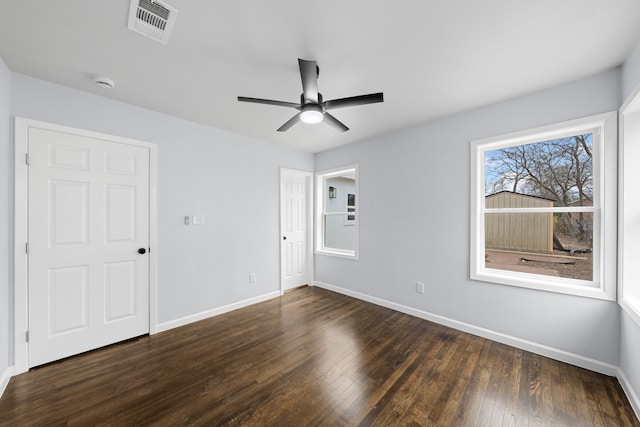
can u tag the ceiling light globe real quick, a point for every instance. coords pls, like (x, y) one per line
(311, 114)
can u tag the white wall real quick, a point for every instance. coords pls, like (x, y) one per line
(422, 173)
(232, 179)
(6, 212)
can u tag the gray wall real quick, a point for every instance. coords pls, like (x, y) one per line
(6, 212)
(629, 329)
(422, 173)
(631, 72)
(232, 179)
(630, 351)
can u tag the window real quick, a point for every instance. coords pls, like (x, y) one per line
(337, 212)
(538, 203)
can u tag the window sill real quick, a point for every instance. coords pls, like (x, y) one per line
(542, 283)
(337, 253)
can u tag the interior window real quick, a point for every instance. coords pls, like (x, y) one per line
(337, 219)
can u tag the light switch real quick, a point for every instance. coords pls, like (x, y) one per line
(198, 220)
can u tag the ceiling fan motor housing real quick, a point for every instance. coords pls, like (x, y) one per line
(302, 100)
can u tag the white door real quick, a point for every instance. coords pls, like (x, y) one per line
(294, 227)
(88, 228)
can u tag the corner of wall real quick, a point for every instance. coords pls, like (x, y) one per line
(6, 213)
(631, 72)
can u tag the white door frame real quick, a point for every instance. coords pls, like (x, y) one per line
(309, 264)
(21, 212)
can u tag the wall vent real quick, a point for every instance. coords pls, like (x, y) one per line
(152, 18)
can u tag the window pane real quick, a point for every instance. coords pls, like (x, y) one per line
(550, 244)
(340, 191)
(337, 234)
(558, 170)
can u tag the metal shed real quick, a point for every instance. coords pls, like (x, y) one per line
(518, 231)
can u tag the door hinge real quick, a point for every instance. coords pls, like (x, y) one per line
(26, 336)
(27, 159)
(26, 247)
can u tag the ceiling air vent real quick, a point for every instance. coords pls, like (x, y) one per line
(152, 18)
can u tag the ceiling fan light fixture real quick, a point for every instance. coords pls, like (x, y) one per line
(311, 114)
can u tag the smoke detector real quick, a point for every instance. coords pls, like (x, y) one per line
(104, 82)
(152, 18)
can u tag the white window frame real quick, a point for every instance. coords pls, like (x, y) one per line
(321, 178)
(629, 206)
(603, 285)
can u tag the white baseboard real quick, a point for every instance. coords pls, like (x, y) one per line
(630, 392)
(161, 327)
(4, 379)
(553, 353)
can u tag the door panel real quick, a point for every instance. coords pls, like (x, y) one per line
(68, 303)
(120, 213)
(68, 212)
(120, 164)
(67, 157)
(299, 258)
(88, 215)
(120, 290)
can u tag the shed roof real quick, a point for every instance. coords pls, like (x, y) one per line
(519, 194)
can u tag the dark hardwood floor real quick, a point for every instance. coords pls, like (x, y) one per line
(313, 358)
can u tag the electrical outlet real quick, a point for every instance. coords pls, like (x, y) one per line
(252, 278)
(420, 287)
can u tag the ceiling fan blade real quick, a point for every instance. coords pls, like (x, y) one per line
(309, 75)
(335, 123)
(292, 121)
(269, 102)
(353, 101)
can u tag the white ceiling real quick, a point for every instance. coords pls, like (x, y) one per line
(430, 58)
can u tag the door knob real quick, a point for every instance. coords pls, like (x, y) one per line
(142, 251)
(284, 237)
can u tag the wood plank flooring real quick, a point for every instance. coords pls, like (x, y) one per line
(313, 358)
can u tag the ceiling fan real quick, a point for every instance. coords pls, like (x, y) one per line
(312, 108)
